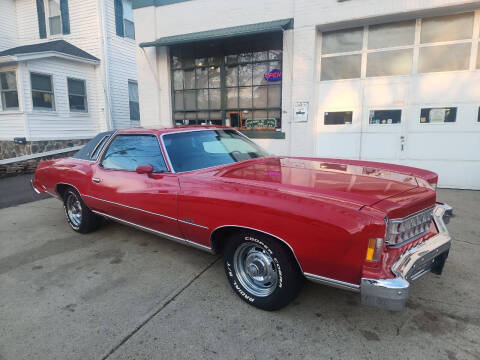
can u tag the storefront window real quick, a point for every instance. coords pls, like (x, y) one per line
(237, 84)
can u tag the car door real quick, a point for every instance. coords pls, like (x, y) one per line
(146, 200)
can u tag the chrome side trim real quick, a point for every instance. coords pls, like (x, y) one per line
(192, 224)
(332, 282)
(260, 231)
(156, 232)
(131, 207)
(96, 146)
(34, 188)
(62, 183)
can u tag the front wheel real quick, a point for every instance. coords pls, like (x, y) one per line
(79, 216)
(261, 270)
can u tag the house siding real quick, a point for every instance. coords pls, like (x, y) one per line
(62, 123)
(8, 24)
(121, 67)
(92, 29)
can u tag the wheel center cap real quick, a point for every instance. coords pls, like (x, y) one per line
(253, 270)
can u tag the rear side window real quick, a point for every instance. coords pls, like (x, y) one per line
(98, 149)
(126, 152)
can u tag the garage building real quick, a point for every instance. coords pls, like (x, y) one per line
(382, 80)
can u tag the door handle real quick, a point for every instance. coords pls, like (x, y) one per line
(97, 180)
(402, 143)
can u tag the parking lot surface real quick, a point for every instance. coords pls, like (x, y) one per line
(120, 293)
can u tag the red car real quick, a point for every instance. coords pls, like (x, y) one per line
(367, 227)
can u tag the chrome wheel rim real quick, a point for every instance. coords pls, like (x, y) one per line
(255, 269)
(74, 210)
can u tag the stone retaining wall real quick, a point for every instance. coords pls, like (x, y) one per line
(28, 166)
(9, 149)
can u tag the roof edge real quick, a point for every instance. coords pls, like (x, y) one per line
(241, 30)
(137, 4)
(46, 54)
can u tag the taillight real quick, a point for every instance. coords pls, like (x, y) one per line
(402, 230)
(374, 250)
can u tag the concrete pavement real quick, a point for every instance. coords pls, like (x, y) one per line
(120, 293)
(17, 190)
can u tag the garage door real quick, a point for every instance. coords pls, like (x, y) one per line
(405, 106)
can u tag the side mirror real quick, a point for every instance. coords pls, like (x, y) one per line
(144, 169)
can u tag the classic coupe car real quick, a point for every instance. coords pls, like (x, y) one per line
(367, 227)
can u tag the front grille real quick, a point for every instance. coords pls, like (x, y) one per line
(400, 231)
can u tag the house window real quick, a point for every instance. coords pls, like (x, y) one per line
(42, 92)
(9, 93)
(443, 43)
(129, 29)
(54, 17)
(77, 95)
(133, 100)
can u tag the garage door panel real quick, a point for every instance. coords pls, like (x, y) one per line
(386, 93)
(443, 146)
(376, 146)
(344, 145)
(454, 86)
(450, 172)
(328, 95)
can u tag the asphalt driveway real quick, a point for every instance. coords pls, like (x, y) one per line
(120, 293)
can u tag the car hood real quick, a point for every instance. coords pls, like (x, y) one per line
(357, 184)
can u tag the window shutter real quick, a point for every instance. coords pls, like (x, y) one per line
(119, 17)
(42, 27)
(65, 17)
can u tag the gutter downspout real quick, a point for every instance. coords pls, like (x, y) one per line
(104, 65)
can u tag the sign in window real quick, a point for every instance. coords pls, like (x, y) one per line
(385, 117)
(438, 115)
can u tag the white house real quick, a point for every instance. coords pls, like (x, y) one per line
(67, 71)
(385, 80)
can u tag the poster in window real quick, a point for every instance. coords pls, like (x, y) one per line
(387, 117)
(437, 115)
(300, 111)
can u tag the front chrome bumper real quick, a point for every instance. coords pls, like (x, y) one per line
(429, 256)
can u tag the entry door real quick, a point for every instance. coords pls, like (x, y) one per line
(148, 200)
(384, 118)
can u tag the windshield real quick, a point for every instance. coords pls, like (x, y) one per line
(192, 150)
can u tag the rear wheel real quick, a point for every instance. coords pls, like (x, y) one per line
(261, 270)
(79, 216)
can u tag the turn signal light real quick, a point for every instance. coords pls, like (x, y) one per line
(374, 250)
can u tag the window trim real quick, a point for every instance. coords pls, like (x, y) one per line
(130, 101)
(112, 139)
(3, 107)
(47, 20)
(85, 96)
(54, 107)
(416, 46)
(125, 19)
